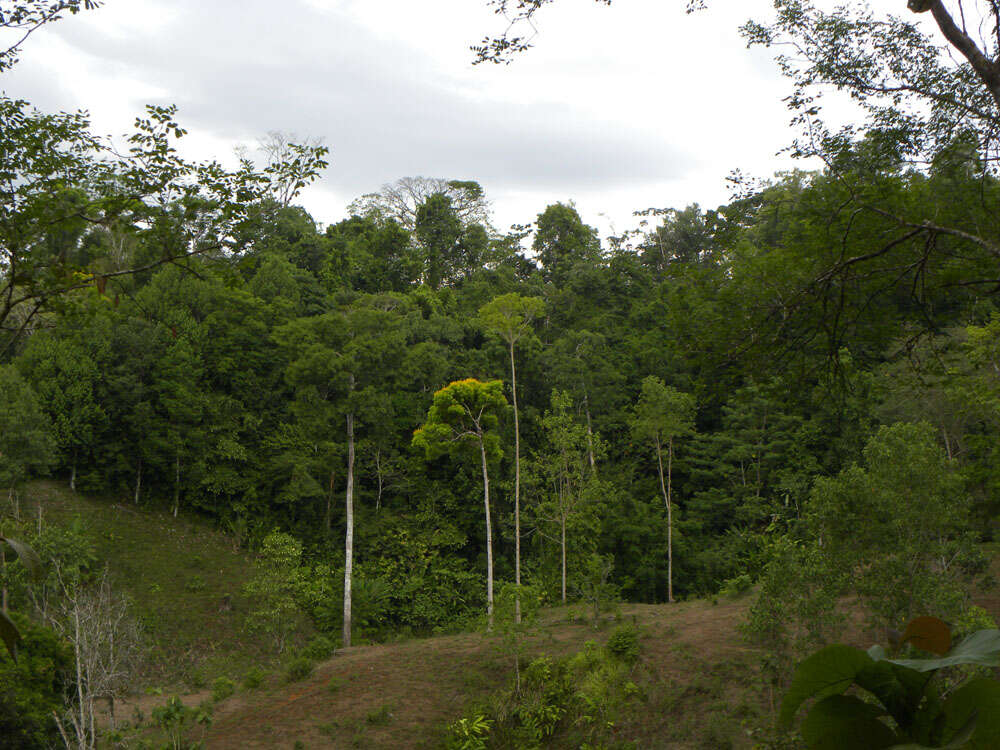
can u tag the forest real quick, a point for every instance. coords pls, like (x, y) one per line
(412, 420)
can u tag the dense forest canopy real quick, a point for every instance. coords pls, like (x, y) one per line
(681, 408)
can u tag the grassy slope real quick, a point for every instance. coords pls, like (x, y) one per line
(694, 673)
(178, 574)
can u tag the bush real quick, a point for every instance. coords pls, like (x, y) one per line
(319, 648)
(222, 688)
(299, 668)
(624, 644)
(254, 678)
(33, 688)
(736, 586)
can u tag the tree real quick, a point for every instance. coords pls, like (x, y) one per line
(466, 413)
(572, 488)
(662, 414)
(26, 442)
(274, 587)
(562, 239)
(64, 376)
(893, 531)
(400, 200)
(438, 229)
(510, 317)
(339, 361)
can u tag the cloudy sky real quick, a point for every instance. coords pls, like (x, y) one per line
(616, 109)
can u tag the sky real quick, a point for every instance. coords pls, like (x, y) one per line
(617, 109)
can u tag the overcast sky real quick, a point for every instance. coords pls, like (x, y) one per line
(617, 108)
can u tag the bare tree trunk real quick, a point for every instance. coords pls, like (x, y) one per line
(72, 473)
(177, 484)
(670, 522)
(670, 519)
(138, 481)
(562, 530)
(590, 435)
(517, 488)
(349, 541)
(489, 537)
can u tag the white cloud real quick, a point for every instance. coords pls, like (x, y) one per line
(618, 108)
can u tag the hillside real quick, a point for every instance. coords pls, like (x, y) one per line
(699, 684)
(697, 681)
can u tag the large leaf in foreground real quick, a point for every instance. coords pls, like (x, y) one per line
(830, 671)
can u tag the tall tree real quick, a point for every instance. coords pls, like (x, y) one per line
(564, 466)
(510, 317)
(662, 414)
(466, 413)
(562, 239)
(438, 229)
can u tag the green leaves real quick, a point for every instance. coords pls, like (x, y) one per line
(842, 721)
(902, 689)
(29, 558)
(829, 671)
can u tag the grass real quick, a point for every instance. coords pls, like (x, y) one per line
(183, 578)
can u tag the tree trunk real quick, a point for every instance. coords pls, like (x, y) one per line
(489, 537)
(138, 481)
(72, 474)
(517, 489)
(177, 484)
(562, 531)
(590, 434)
(670, 521)
(349, 541)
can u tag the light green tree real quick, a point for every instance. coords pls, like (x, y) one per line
(662, 414)
(465, 414)
(510, 316)
(26, 442)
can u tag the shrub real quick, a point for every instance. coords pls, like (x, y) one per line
(736, 586)
(624, 644)
(299, 668)
(32, 689)
(254, 678)
(222, 688)
(318, 648)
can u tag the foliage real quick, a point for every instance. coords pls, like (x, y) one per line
(177, 720)
(904, 690)
(893, 532)
(33, 687)
(273, 589)
(299, 668)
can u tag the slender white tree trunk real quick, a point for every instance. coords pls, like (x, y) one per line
(489, 537)
(590, 434)
(670, 520)
(562, 530)
(138, 481)
(517, 488)
(349, 541)
(177, 484)
(72, 473)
